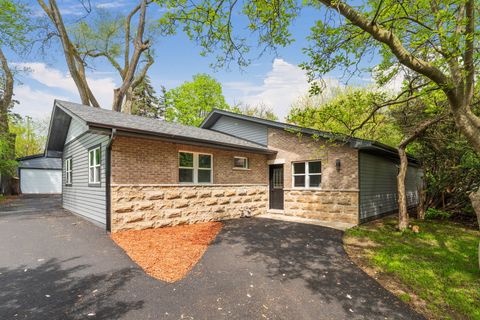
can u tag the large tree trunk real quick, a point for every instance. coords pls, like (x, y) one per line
(128, 104)
(421, 202)
(6, 180)
(72, 58)
(475, 198)
(402, 196)
(5, 104)
(131, 65)
(402, 172)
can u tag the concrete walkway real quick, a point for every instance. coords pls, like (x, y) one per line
(329, 224)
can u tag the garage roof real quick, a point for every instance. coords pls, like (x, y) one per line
(39, 161)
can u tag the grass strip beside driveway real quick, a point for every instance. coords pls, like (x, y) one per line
(435, 270)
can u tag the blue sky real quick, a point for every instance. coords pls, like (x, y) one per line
(274, 80)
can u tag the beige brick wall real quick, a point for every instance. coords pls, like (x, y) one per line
(146, 193)
(147, 161)
(152, 206)
(337, 199)
(292, 147)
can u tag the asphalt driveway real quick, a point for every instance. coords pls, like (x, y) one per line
(54, 265)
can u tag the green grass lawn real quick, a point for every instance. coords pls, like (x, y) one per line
(439, 264)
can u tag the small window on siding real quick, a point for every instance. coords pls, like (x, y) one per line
(68, 171)
(94, 161)
(194, 167)
(240, 163)
(307, 174)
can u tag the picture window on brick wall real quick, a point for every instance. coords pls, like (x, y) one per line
(194, 167)
(307, 174)
(240, 163)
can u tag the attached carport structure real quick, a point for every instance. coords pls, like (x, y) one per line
(40, 175)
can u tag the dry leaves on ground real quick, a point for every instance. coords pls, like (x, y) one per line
(168, 253)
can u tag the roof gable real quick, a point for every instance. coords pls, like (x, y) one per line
(96, 118)
(356, 143)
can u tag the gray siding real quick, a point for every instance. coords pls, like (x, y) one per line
(41, 163)
(76, 128)
(242, 129)
(378, 185)
(80, 198)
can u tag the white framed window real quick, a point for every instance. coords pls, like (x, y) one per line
(306, 174)
(94, 161)
(68, 171)
(240, 163)
(194, 167)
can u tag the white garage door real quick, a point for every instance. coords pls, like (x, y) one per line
(40, 181)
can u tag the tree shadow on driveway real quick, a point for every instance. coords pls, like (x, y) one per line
(312, 257)
(53, 291)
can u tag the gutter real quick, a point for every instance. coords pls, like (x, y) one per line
(108, 177)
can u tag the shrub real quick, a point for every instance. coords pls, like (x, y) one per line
(437, 214)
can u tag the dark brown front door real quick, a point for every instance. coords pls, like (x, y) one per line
(276, 186)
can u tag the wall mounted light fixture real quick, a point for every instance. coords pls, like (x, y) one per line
(338, 164)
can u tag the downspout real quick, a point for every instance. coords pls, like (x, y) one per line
(108, 173)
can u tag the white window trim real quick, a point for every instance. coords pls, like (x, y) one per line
(196, 167)
(247, 162)
(94, 166)
(68, 171)
(307, 175)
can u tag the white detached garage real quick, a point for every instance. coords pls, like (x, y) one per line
(39, 174)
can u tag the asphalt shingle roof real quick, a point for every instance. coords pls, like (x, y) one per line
(111, 119)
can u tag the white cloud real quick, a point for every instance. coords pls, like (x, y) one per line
(284, 84)
(110, 5)
(34, 103)
(65, 86)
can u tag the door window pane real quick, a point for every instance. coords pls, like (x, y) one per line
(278, 178)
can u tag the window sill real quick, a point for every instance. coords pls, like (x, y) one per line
(195, 183)
(242, 169)
(95, 185)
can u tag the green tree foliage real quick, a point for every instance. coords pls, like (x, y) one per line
(145, 101)
(30, 135)
(191, 102)
(451, 169)
(351, 111)
(15, 24)
(7, 164)
(260, 111)
(211, 25)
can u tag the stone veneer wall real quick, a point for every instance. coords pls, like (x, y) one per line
(151, 206)
(334, 205)
(337, 199)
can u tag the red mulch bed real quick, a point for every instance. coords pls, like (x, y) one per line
(168, 253)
